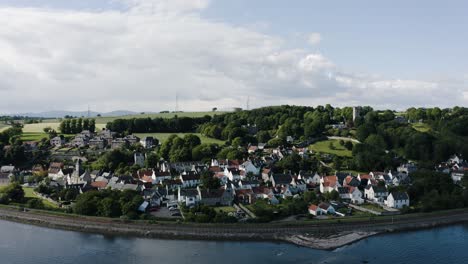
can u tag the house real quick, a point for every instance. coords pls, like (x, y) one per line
(248, 184)
(408, 168)
(132, 139)
(139, 159)
(233, 174)
(266, 174)
(397, 200)
(57, 141)
(246, 196)
(457, 176)
(351, 181)
(281, 179)
(298, 185)
(55, 170)
(315, 210)
(353, 194)
(376, 193)
(97, 143)
(118, 143)
(263, 192)
(327, 208)
(188, 196)
(100, 185)
(30, 146)
(79, 141)
(249, 167)
(5, 178)
(224, 197)
(252, 149)
(190, 179)
(309, 178)
(329, 184)
(147, 142)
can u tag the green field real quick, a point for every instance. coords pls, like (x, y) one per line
(3, 126)
(105, 120)
(421, 127)
(29, 193)
(33, 136)
(324, 147)
(164, 136)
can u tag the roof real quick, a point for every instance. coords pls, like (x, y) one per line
(189, 192)
(330, 181)
(99, 184)
(191, 176)
(282, 178)
(324, 206)
(400, 196)
(313, 207)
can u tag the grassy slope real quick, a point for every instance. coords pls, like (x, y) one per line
(163, 137)
(323, 146)
(29, 193)
(421, 127)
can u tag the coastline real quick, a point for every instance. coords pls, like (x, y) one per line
(316, 236)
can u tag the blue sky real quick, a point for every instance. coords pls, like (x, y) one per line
(362, 51)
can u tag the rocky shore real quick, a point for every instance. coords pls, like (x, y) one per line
(313, 235)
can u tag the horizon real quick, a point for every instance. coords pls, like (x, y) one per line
(139, 54)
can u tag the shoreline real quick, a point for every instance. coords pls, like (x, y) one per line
(321, 236)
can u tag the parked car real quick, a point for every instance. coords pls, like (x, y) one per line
(176, 214)
(173, 209)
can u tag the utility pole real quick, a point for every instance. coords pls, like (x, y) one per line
(177, 102)
(248, 103)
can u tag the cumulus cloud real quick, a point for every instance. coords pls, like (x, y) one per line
(314, 38)
(138, 59)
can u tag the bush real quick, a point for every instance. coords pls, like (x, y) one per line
(35, 204)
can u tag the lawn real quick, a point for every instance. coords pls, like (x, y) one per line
(33, 136)
(421, 127)
(29, 193)
(372, 207)
(164, 136)
(226, 209)
(3, 126)
(324, 147)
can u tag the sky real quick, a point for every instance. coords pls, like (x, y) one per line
(139, 54)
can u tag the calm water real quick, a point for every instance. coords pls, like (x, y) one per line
(28, 244)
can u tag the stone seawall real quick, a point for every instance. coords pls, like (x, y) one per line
(313, 235)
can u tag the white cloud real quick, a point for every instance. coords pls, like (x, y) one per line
(314, 38)
(138, 59)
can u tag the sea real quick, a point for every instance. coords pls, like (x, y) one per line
(26, 244)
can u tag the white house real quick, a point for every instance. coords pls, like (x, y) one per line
(232, 174)
(328, 184)
(315, 210)
(190, 179)
(351, 193)
(376, 193)
(188, 196)
(397, 200)
(327, 208)
(249, 167)
(457, 176)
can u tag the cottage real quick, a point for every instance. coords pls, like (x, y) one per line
(329, 184)
(216, 197)
(376, 193)
(397, 200)
(190, 179)
(147, 142)
(57, 141)
(327, 208)
(315, 210)
(188, 196)
(281, 179)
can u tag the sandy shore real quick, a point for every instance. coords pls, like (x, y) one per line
(312, 235)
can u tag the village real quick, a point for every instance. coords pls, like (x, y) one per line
(245, 190)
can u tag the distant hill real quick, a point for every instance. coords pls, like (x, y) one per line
(60, 114)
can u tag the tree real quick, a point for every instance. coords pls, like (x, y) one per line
(14, 192)
(348, 145)
(209, 181)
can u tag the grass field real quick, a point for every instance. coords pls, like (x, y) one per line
(33, 136)
(324, 147)
(164, 136)
(421, 127)
(29, 193)
(3, 127)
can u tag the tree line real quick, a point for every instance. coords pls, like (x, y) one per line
(75, 126)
